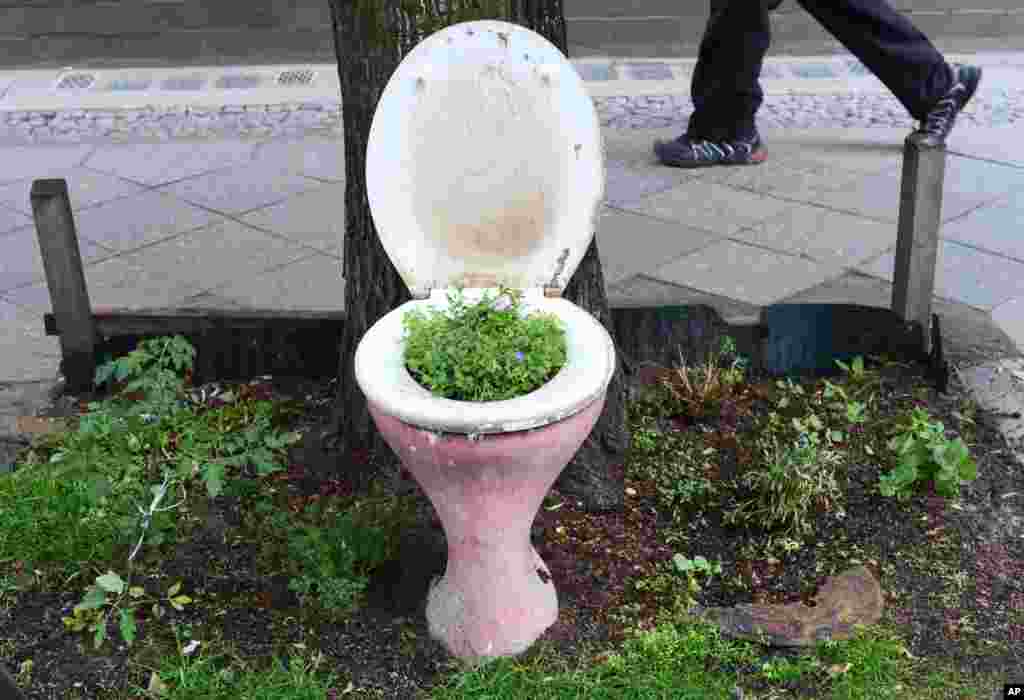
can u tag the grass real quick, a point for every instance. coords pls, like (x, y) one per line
(77, 507)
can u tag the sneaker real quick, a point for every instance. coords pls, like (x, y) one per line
(687, 152)
(941, 118)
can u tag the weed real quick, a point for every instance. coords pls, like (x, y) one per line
(486, 351)
(797, 479)
(110, 594)
(923, 452)
(333, 563)
(217, 675)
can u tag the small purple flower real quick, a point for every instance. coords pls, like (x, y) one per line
(519, 355)
(502, 303)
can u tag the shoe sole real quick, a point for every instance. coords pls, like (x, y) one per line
(756, 158)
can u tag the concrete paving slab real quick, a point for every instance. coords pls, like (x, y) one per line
(878, 196)
(970, 176)
(322, 158)
(826, 236)
(1000, 144)
(29, 354)
(869, 151)
(627, 183)
(112, 283)
(649, 242)
(313, 283)
(1010, 317)
(717, 208)
(11, 219)
(632, 151)
(21, 263)
(852, 287)
(965, 274)
(995, 227)
(239, 189)
(644, 291)
(314, 218)
(156, 164)
(134, 221)
(744, 272)
(33, 162)
(206, 258)
(803, 182)
(85, 189)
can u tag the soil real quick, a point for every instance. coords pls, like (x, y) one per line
(919, 550)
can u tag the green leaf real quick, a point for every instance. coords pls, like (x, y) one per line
(101, 631)
(968, 470)
(682, 563)
(136, 591)
(214, 477)
(179, 601)
(110, 582)
(94, 598)
(173, 590)
(128, 625)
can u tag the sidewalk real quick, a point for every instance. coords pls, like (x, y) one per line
(256, 223)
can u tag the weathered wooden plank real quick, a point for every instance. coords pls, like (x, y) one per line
(62, 262)
(917, 238)
(155, 322)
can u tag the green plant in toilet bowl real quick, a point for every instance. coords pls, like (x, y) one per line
(489, 350)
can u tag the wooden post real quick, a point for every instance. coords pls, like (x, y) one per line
(917, 241)
(62, 261)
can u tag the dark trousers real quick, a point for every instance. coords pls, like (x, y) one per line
(725, 88)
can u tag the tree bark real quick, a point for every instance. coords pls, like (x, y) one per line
(371, 38)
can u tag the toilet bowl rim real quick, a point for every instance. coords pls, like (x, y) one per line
(384, 380)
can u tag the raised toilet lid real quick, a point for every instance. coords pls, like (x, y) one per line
(484, 164)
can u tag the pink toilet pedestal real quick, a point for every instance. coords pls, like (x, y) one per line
(496, 596)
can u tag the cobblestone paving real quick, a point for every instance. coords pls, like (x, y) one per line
(993, 108)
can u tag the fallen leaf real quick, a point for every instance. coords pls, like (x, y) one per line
(156, 686)
(839, 669)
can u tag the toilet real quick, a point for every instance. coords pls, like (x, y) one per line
(484, 168)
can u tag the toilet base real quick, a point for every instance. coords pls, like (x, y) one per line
(496, 596)
(476, 622)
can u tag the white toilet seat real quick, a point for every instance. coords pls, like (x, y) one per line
(485, 168)
(485, 163)
(590, 362)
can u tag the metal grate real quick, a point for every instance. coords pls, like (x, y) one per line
(76, 81)
(302, 76)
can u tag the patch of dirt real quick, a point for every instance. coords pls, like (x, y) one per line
(953, 578)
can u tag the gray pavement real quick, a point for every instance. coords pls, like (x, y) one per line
(257, 224)
(246, 218)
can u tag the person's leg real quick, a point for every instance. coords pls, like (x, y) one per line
(890, 46)
(725, 89)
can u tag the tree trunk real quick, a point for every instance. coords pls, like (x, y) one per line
(371, 37)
